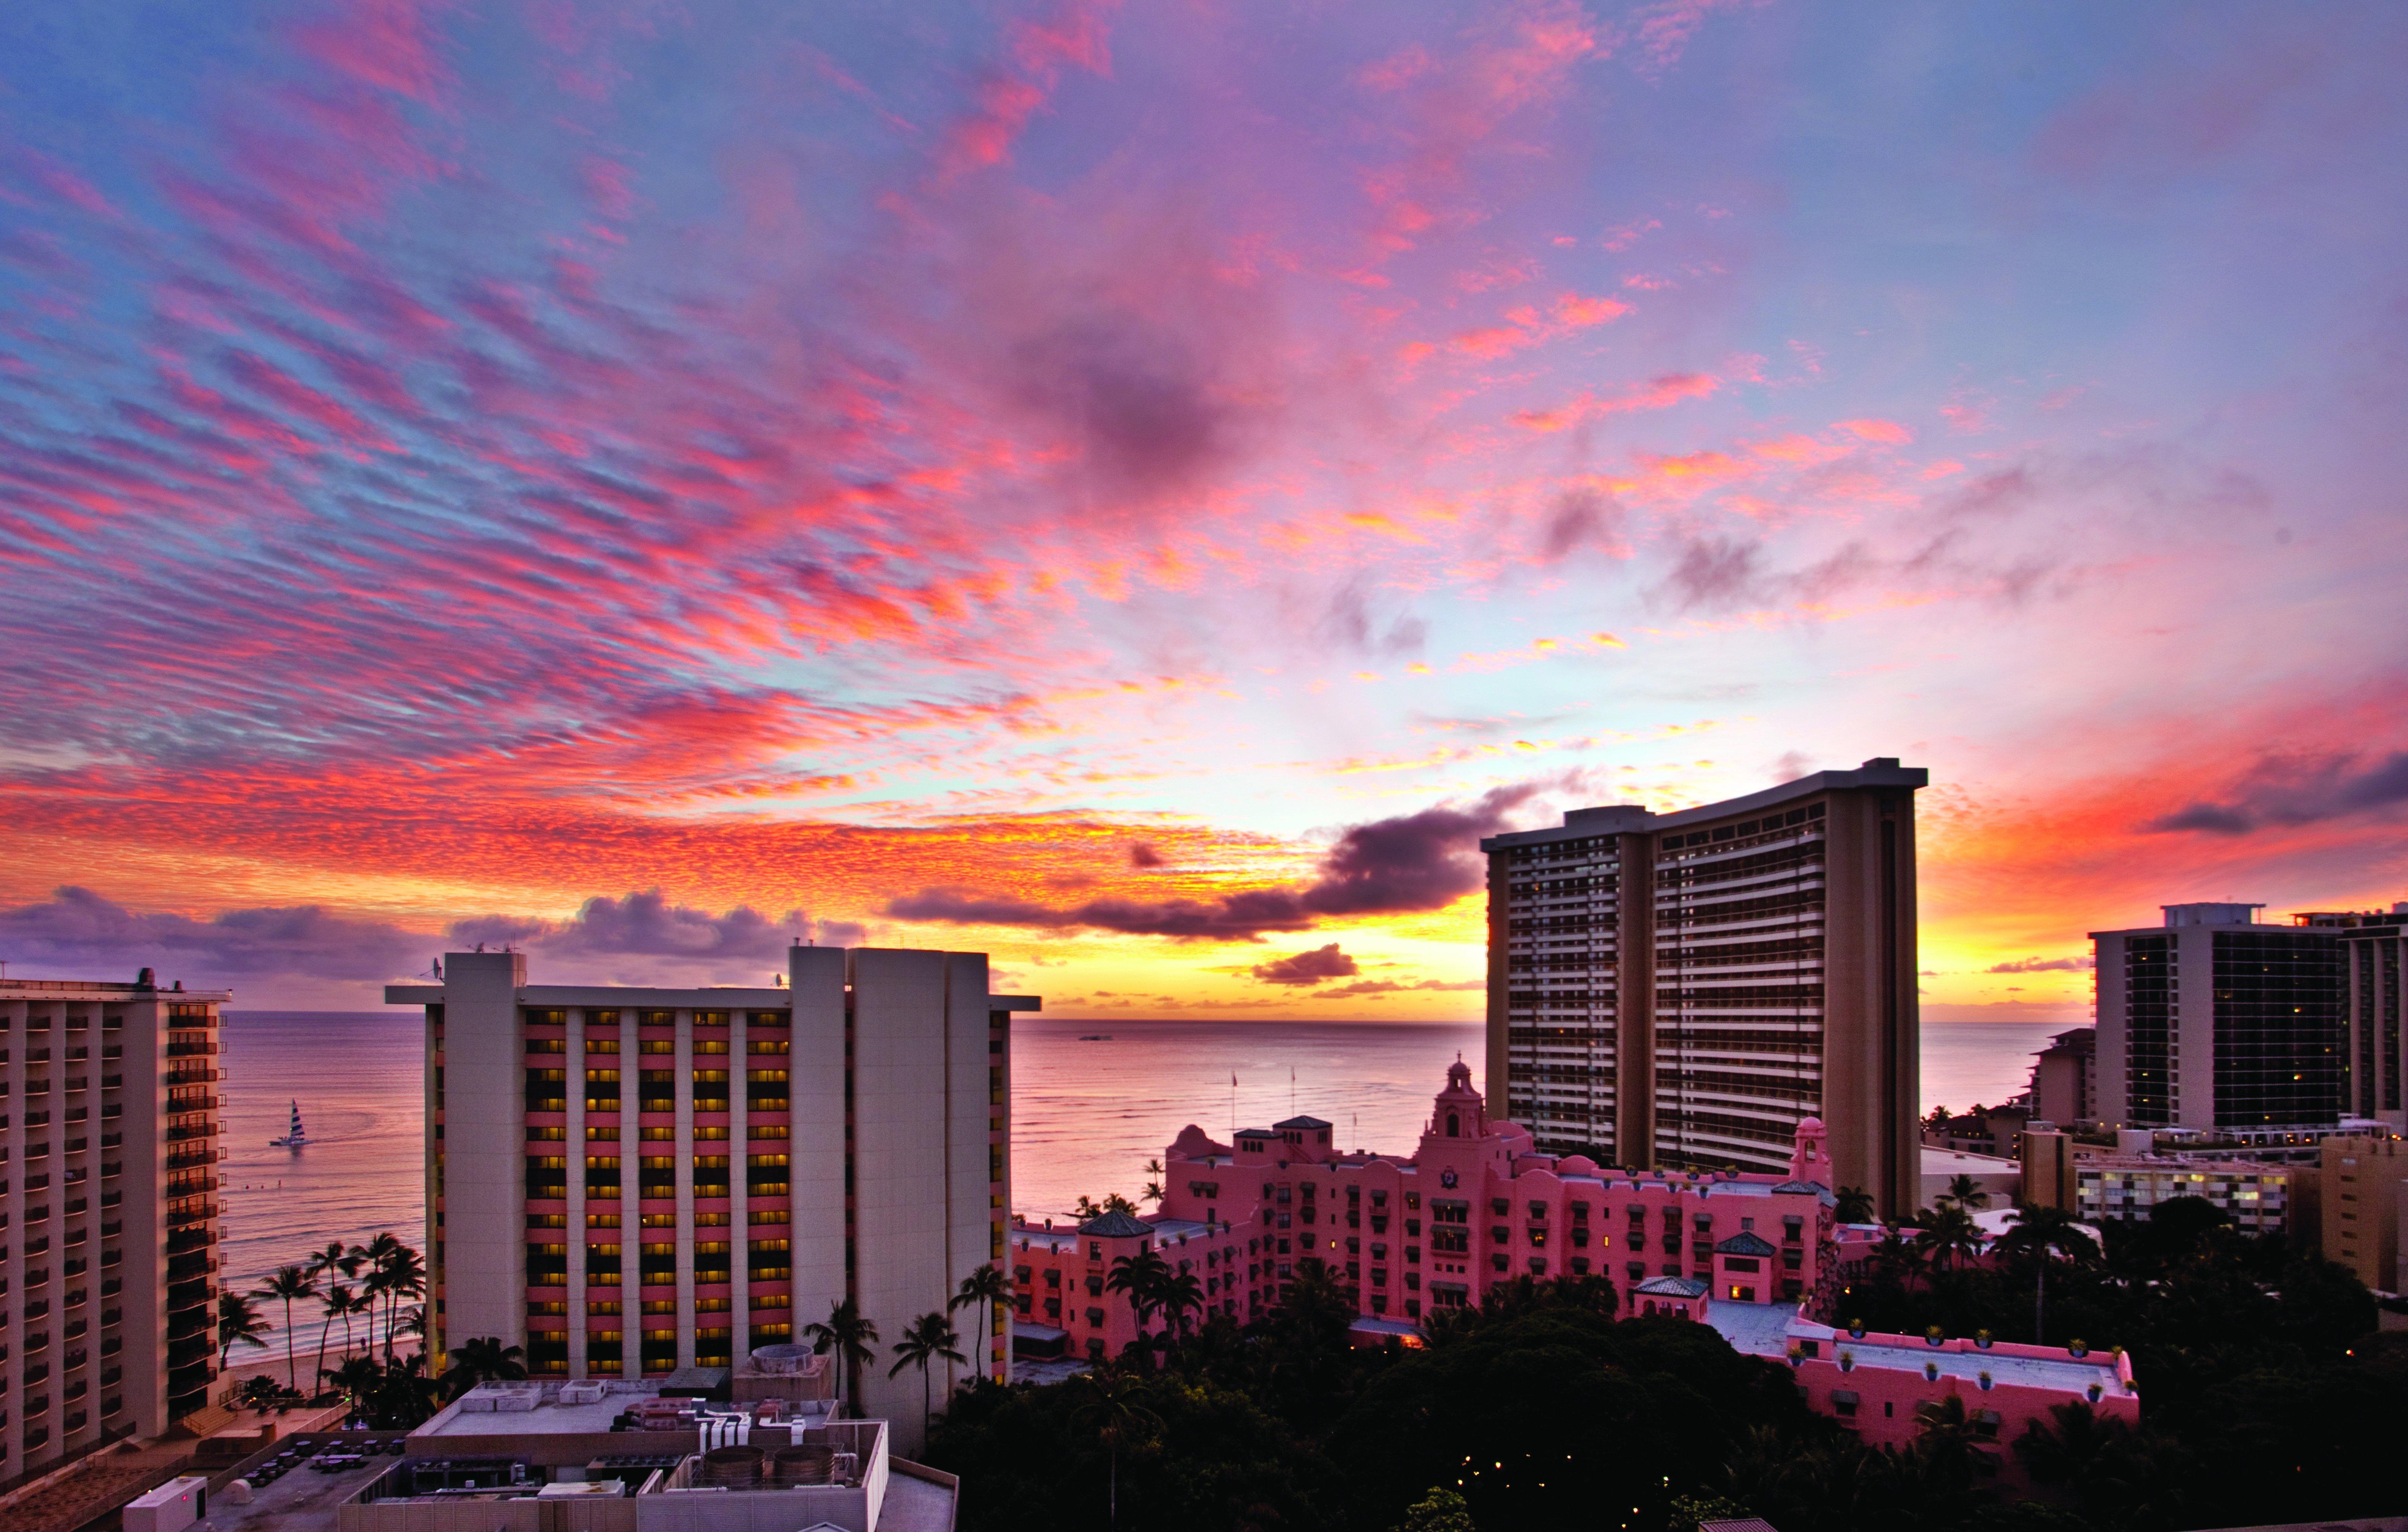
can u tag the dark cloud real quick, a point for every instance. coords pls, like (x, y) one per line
(1143, 404)
(1714, 571)
(2295, 788)
(644, 924)
(1313, 968)
(1348, 623)
(1142, 855)
(2045, 965)
(1240, 917)
(80, 930)
(1390, 986)
(1582, 519)
(2007, 490)
(1422, 860)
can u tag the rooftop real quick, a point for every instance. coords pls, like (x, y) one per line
(1880, 771)
(1766, 1329)
(109, 990)
(550, 1418)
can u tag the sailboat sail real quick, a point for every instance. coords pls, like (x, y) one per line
(294, 1137)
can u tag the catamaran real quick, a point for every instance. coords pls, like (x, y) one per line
(295, 1139)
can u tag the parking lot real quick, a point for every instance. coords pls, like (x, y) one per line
(298, 1489)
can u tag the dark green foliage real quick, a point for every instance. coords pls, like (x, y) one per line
(2255, 1407)
(2268, 1400)
(1441, 1510)
(1543, 1415)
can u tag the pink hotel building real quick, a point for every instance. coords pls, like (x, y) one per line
(1755, 1255)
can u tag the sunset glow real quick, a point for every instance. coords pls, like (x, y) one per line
(1140, 489)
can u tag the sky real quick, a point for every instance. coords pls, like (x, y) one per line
(1139, 490)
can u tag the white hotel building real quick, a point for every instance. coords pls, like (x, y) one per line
(627, 1182)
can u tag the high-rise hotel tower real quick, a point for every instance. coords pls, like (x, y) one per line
(1681, 991)
(109, 1213)
(626, 1182)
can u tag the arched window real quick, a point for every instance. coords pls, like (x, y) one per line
(1454, 1125)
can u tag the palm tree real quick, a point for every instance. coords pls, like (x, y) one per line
(359, 1378)
(850, 1335)
(405, 1274)
(384, 1258)
(483, 1359)
(1153, 1192)
(361, 1302)
(1113, 1203)
(927, 1340)
(335, 1258)
(1139, 1277)
(1178, 1296)
(1965, 1192)
(290, 1282)
(1948, 1235)
(2043, 1232)
(338, 1306)
(1114, 1404)
(1854, 1205)
(239, 1323)
(986, 1286)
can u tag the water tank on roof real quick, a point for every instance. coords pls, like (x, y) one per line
(782, 1359)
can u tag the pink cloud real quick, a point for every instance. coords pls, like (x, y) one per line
(1888, 433)
(1660, 392)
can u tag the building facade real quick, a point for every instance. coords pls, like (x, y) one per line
(2373, 950)
(108, 1218)
(1476, 1204)
(2365, 1184)
(2262, 1199)
(630, 1181)
(2064, 1079)
(2216, 1021)
(1681, 991)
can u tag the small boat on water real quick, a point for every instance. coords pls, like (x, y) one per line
(294, 1137)
(1095, 1036)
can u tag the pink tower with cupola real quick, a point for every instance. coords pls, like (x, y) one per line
(1810, 1161)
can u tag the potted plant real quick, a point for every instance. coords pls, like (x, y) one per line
(1856, 1329)
(2095, 1391)
(1796, 1354)
(2080, 1347)
(1847, 1361)
(1932, 1336)
(1982, 1338)
(1985, 1382)
(1930, 1372)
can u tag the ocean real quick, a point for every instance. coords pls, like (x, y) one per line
(1092, 1102)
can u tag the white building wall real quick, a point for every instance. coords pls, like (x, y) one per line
(484, 1143)
(969, 1215)
(899, 1040)
(815, 1071)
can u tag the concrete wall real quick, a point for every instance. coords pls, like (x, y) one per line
(818, 1151)
(141, 1212)
(899, 1157)
(969, 1215)
(484, 1145)
(1872, 1020)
